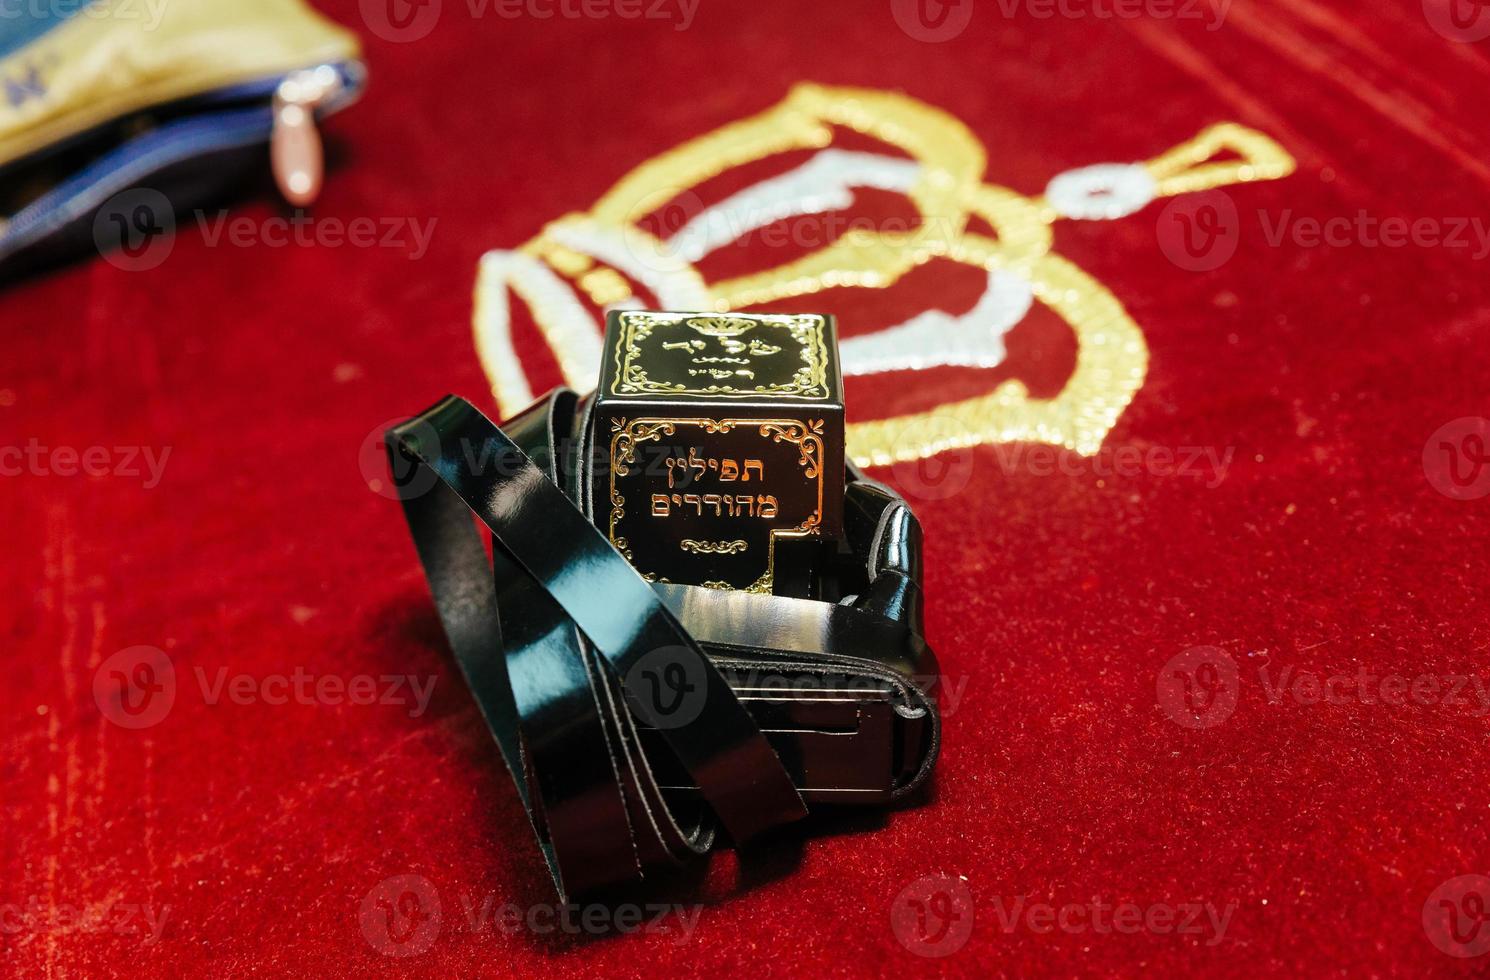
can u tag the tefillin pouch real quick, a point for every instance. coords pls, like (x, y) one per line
(696, 617)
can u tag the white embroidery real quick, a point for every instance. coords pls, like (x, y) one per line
(935, 338)
(675, 283)
(820, 185)
(825, 183)
(1101, 192)
(573, 338)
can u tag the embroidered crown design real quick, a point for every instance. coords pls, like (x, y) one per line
(614, 256)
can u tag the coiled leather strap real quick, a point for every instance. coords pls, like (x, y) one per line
(548, 637)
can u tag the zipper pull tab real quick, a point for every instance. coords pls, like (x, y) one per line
(295, 149)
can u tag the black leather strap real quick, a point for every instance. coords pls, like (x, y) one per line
(613, 787)
(553, 682)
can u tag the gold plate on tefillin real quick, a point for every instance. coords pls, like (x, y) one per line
(721, 354)
(715, 496)
(724, 436)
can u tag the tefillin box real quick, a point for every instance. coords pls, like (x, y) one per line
(725, 445)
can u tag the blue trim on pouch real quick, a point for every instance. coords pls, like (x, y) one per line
(217, 128)
(23, 21)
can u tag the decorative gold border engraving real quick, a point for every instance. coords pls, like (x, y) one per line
(806, 435)
(713, 547)
(808, 380)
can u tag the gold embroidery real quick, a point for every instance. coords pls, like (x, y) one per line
(605, 286)
(568, 261)
(1184, 169)
(947, 191)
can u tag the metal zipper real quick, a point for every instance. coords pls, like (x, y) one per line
(296, 153)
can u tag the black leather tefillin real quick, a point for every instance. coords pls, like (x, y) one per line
(696, 616)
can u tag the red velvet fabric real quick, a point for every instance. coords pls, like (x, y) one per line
(264, 833)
